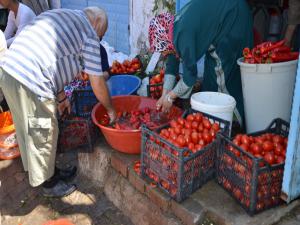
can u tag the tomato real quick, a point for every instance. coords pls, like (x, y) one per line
(269, 157)
(188, 124)
(104, 121)
(245, 147)
(280, 159)
(238, 194)
(194, 125)
(200, 127)
(259, 140)
(267, 146)
(173, 124)
(278, 150)
(198, 117)
(245, 140)
(198, 147)
(188, 138)
(190, 118)
(206, 123)
(202, 142)
(194, 137)
(277, 139)
(177, 130)
(207, 137)
(212, 133)
(191, 146)
(236, 142)
(180, 121)
(215, 127)
(255, 148)
(181, 141)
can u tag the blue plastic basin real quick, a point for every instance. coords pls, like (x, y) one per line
(123, 84)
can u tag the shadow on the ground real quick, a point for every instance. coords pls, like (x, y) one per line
(88, 203)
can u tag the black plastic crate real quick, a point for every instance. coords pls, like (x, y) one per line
(255, 184)
(178, 171)
(83, 101)
(76, 132)
(154, 90)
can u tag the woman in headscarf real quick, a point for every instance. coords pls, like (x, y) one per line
(218, 29)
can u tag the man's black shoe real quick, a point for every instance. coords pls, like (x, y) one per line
(65, 174)
(60, 189)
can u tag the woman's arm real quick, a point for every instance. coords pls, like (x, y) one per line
(10, 27)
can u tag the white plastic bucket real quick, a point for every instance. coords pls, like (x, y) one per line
(214, 103)
(267, 91)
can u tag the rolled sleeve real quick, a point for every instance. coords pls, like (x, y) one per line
(92, 57)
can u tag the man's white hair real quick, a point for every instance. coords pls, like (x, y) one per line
(97, 18)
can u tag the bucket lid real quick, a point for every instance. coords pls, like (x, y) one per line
(215, 101)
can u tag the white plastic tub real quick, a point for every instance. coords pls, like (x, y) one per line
(267, 91)
(214, 103)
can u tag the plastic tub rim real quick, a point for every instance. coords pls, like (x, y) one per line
(214, 107)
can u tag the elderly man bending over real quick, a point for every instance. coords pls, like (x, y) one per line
(46, 56)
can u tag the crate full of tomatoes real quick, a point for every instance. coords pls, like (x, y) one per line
(250, 167)
(126, 67)
(269, 52)
(155, 87)
(180, 157)
(75, 132)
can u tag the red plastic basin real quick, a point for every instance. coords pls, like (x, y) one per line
(123, 140)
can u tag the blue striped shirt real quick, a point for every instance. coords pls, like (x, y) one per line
(52, 50)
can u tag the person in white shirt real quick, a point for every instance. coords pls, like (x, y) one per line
(19, 16)
(2, 51)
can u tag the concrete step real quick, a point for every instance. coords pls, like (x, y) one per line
(145, 204)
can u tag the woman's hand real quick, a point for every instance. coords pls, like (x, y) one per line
(165, 102)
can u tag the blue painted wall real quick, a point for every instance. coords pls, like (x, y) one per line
(117, 34)
(291, 178)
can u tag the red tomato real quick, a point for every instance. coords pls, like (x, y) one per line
(245, 147)
(236, 142)
(181, 141)
(200, 127)
(188, 139)
(198, 117)
(268, 146)
(277, 139)
(213, 133)
(194, 137)
(207, 137)
(255, 148)
(280, 160)
(269, 157)
(202, 142)
(245, 140)
(190, 117)
(215, 127)
(188, 124)
(191, 146)
(206, 123)
(177, 130)
(180, 121)
(279, 149)
(194, 125)
(173, 123)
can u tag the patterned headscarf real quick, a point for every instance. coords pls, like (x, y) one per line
(161, 33)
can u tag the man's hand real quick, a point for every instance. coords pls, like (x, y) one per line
(102, 94)
(112, 115)
(64, 107)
